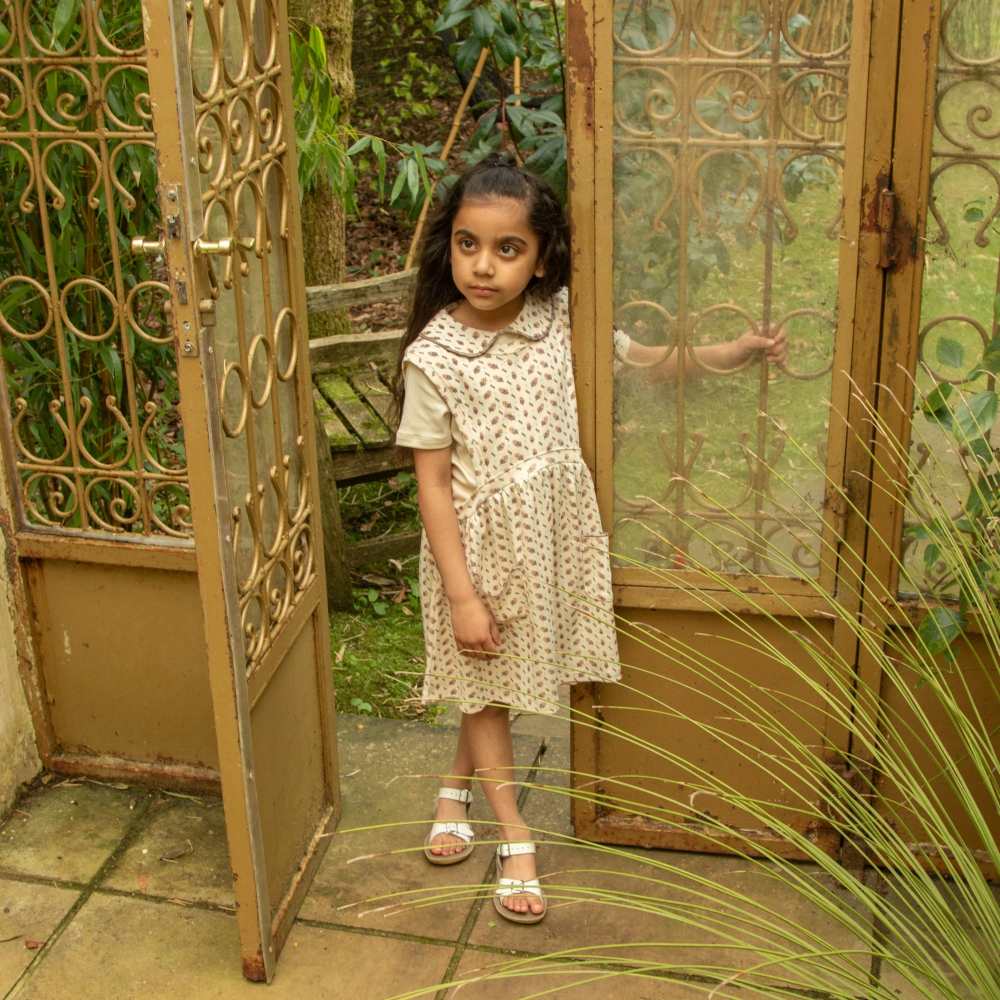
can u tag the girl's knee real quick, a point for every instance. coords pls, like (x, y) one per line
(489, 712)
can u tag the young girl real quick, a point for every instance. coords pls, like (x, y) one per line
(514, 570)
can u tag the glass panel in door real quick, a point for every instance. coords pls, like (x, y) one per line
(958, 297)
(729, 154)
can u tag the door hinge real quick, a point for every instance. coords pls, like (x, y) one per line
(887, 249)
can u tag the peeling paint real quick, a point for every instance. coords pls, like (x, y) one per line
(253, 968)
(18, 755)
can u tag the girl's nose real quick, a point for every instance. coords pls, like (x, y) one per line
(484, 264)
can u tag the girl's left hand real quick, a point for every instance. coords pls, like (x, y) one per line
(475, 628)
(773, 342)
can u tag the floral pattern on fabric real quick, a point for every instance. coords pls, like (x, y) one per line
(534, 543)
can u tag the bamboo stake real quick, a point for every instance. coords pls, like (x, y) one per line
(452, 135)
(517, 79)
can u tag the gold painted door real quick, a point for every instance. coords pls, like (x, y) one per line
(942, 320)
(224, 120)
(730, 154)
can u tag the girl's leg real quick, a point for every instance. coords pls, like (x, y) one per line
(448, 810)
(493, 755)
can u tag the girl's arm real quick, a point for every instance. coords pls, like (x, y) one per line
(663, 361)
(475, 629)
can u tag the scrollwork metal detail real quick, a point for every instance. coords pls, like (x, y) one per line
(729, 141)
(88, 357)
(243, 162)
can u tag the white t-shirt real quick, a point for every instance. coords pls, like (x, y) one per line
(426, 420)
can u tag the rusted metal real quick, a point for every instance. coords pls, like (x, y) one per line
(887, 228)
(893, 161)
(174, 775)
(772, 577)
(633, 831)
(254, 968)
(25, 645)
(742, 515)
(112, 552)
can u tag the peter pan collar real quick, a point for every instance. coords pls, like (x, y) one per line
(533, 322)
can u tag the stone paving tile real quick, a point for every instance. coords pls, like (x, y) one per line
(675, 926)
(905, 990)
(524, 980)
(28, 913)
(121, 948)
(66, 831)
(592, 923)
(378, 759)
(191, 836)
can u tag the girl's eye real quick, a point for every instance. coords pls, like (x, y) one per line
(465, 243)
(508, 250)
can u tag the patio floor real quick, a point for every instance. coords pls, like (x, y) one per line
(111, 892)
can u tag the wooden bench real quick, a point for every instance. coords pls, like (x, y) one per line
(352, 377)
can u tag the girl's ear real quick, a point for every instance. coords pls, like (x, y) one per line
(540, 270)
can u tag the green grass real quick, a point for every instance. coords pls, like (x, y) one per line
(378, 648)
(378, 660)
(382, 507)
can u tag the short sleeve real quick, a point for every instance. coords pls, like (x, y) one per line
(622, 343)
(426, 420)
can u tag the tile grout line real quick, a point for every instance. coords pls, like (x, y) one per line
(477, 904)
(130, 835)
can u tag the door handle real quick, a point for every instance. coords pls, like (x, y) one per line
(223, 247)
(153, 247)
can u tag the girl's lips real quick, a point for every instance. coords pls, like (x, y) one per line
(481, 290)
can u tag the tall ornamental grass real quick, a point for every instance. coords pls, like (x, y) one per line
(906, 907)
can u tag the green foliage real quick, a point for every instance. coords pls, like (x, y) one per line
(319, 131)
(958, 550)
(377, 648)
(400, 63)
(534, 119)
(86, 232)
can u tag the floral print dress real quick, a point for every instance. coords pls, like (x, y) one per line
(534, 544)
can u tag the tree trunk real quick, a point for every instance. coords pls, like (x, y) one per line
(323, 248)
(323, 239)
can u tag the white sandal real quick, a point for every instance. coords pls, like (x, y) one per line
(516, 886)
(457, 829)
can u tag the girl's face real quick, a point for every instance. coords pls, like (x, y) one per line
(494, 254)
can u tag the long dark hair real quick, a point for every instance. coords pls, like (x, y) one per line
(496, 176)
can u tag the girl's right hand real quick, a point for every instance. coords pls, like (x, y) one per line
(476, 631)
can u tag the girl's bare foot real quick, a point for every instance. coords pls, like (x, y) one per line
(448, 811)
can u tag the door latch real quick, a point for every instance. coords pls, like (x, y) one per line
(887, 248)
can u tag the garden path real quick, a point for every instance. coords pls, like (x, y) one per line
(109, 893)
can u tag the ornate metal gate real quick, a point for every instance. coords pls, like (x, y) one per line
(155, 393)
(754, 171)
(93, 438)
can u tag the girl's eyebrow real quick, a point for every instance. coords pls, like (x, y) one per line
(502, 239)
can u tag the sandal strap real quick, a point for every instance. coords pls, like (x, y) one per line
(462, 830)
(507, 849)
(456, 794)
(517, 887)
